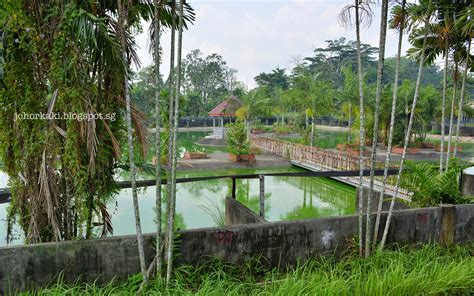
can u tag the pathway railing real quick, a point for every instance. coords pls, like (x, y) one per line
(324, 159)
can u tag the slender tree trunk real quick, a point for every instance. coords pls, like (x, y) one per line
(312, 131)
(361, 126)
(378, 94)
(392, 124)
(159, 261)
(349, 123)
(461, 99)
(408, 132)
(171, 90)
(174, 152)
(306, 120)
(443, 104)
(451, 119)
(122, 27)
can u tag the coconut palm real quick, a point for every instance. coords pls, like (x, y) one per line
(397, 21)
(425, 10)
(362, 14)
(122, 25)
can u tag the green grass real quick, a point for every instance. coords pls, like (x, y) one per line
(430, 270)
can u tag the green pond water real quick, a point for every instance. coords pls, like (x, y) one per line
(202, 204)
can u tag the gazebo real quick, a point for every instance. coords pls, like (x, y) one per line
(226, 108)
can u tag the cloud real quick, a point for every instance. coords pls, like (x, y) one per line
(257, 36)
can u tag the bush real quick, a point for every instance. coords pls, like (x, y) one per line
(283, 130)
(237, 142)
(429, 187)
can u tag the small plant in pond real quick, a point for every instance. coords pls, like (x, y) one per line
(237, 142)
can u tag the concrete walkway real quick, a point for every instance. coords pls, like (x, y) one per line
(220, 160)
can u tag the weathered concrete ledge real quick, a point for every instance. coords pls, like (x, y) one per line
(280, 243)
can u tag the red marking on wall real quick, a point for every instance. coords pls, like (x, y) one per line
(224, 237)
(422, 218)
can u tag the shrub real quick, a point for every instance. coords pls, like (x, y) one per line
(429, 187)
(237, 142)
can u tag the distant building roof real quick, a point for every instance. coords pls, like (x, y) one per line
(227, 107)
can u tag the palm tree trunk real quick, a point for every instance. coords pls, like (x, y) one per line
(171, 90)
(159, 262)
(408, 132)
(312, 130)
(443, 105)
(451, 119)
(378, 94)
(361, 125)
(349, 123)
(392, 124)
(174, 152)
(122, 25)
(461, 99)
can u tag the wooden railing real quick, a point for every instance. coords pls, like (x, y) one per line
(324, 158)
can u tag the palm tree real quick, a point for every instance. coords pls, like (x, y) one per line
(174, 152)
(253, 103)
(378, 95)
(425, 9)
(397, 21)
(350, 94)
(122, 25)
(446, 29)
(362, 13)
(156, 39)
(461, 99)
(466, 24)
(453, 103)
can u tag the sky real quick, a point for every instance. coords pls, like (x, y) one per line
(255, 36)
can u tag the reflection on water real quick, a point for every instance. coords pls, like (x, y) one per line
(202, 204)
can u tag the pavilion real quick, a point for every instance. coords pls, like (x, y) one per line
(226, 108)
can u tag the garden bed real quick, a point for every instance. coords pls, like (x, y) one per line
(195, 155)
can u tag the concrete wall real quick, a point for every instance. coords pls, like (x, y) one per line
(281, 243)
(237, 213)
(399, 204)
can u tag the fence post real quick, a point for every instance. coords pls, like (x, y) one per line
(448, 223)
(233, 188)
(262, 195)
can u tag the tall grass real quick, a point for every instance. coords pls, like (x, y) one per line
(430, 270)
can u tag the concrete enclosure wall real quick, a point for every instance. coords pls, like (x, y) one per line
(280, 243)
(237, 213)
